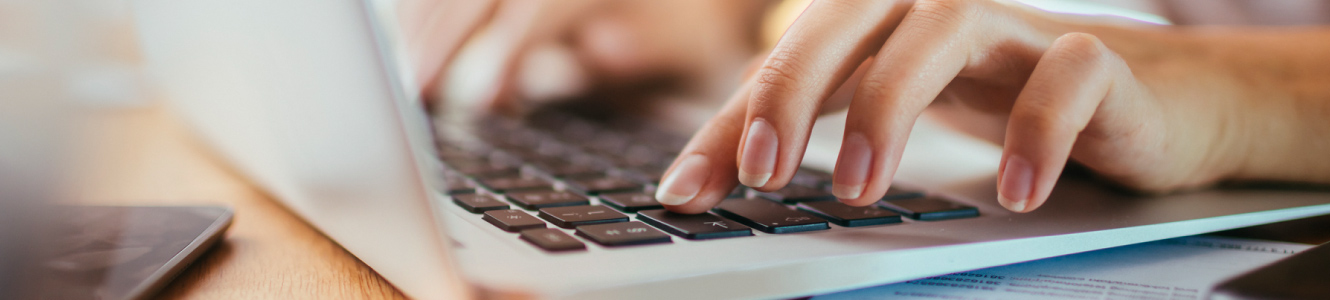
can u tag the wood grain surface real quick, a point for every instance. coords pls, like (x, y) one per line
(147, 156)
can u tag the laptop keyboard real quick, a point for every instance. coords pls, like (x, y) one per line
(596, 180)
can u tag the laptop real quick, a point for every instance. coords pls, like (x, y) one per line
(312, 100)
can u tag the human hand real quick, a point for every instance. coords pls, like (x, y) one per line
(1140, 105)
(435, 30)
(507, 55)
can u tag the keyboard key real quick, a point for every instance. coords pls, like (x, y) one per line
(931, 209)
(649, 173)
(630, 202)
(894, 193)
(738, 192)
(637, 156)
(532, 200)
(563, 169)
(512, 220)
(552, 240)
(811, 178)
(768, 216)
(850, 216)
(477, 203)
(573, 216)
(512, 183)
(694, 227)
(457, 184)
(485, 168)
(623, 234)
(609, 142)
(606, 184)
(792, 194)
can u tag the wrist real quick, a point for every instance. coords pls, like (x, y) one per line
(1284, 104)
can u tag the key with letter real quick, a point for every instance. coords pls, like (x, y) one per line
(768, 216)
(512, 220)
(478, 203)
(850, 216)
(694, 227)
(546, 198)
(631, 202)
(623, 234)
(792, 194)
(605, 184)
(552, 240)
(931, 209)
(573, 216)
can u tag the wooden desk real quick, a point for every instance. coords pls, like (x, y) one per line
(146, 156)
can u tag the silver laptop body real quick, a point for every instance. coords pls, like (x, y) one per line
(309, 98)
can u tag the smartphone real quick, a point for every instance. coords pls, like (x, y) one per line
(126, 252)
(1305, 275)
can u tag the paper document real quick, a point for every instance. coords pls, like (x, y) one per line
(1174, 269)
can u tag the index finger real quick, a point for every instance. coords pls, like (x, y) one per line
(823, 47)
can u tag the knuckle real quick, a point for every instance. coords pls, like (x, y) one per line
(942, 11)
(874, 87)
(1042, 118)
(780, 74)
(1079, 49)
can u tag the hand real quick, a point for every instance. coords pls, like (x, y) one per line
(528, 52)
(436, 30)
(1149, 107)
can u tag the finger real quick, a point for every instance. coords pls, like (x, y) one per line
(816, 55)
(495, 55)
(435, 29)
(704, 173)
(519, 25)
(926, 52)
(1077, 80)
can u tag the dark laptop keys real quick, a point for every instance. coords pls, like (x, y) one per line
(512, 183)
(605, 184)
(512, 220)
(931, 209)
(532, 200)
(768, 216)
(649, 173)
(694, 227)
(623, 234)
(894, 193)
(630, 202)
(850, 216)
(552, 240)
(573, 216)
(485, 168)
(477, 203)
(792, 194)
(564, 169)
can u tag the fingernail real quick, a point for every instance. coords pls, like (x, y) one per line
(685, 181)
(1017, 182)
(852, 166)
(759, 154)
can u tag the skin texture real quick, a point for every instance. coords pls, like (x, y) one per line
(1152, 108)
